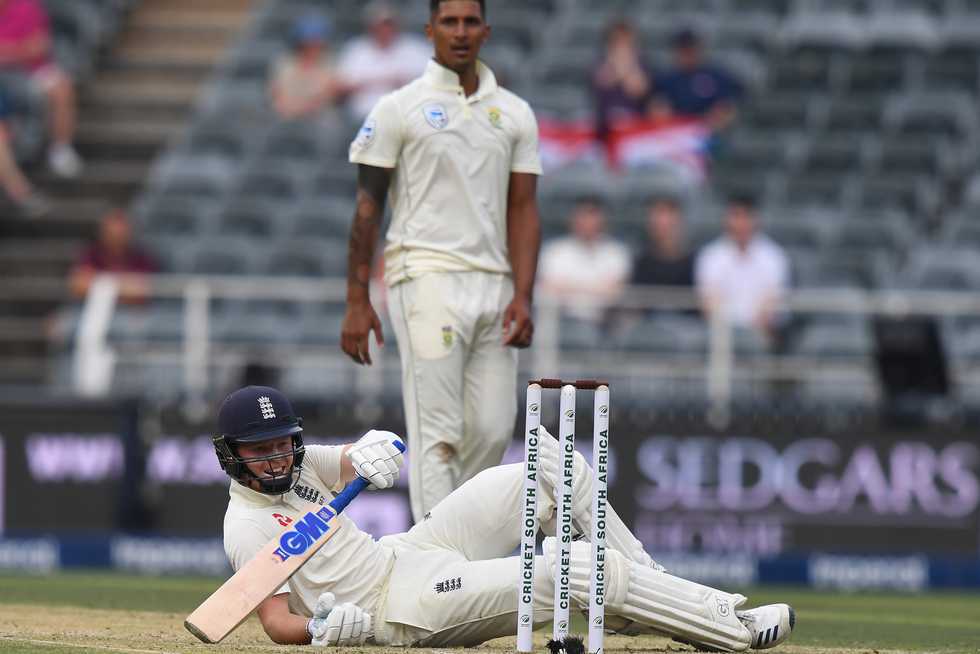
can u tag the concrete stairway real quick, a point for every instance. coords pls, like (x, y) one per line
(140, 98)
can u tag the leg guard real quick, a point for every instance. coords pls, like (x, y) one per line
(549, 459)
(618, 535)
(683, 609)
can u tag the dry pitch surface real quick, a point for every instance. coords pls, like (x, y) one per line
(79, 614)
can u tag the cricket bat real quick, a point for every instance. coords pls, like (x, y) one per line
(268, 570)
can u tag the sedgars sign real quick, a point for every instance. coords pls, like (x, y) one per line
(743, 493)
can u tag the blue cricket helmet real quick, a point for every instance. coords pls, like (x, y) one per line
(255, 414)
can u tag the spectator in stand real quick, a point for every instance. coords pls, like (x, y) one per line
(744, 274)
(28, 201)
(305, 82)
(114, 252)
(695, 87)
(667, 261)
(587, 269)
(381, 61)
(622, 83)
(25, 47)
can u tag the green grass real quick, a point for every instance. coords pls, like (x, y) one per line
(948, 622)
(108, 591)
(935, 622)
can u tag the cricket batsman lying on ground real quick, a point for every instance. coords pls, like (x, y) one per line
(450, 580)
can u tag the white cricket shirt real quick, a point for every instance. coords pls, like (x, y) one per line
(453, 156)
(743, 282)
(594, 268)
(352, 565)
(375, 71)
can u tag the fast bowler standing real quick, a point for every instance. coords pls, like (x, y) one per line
(458, 157)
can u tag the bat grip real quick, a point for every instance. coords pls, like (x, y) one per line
(350, 491)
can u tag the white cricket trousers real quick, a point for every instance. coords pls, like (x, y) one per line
(459, 381)
(454, 581)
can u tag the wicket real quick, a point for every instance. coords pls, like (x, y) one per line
(529, 525)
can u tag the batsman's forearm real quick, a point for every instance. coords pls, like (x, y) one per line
(523, 244)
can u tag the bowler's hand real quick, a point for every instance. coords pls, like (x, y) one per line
(518, 326)
(359, 320)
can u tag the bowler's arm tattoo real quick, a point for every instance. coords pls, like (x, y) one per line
(372, 189)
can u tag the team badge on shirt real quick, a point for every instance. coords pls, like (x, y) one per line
(435, 115)
(496, 117)
(366, 134)
(447, 336)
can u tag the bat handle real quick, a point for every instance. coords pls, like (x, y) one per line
(344, 497)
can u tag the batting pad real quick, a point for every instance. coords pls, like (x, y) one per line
(618, 536)
(549, 461)
(688, 611)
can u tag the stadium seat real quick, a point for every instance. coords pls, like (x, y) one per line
(948, 116)
(773, 8)
(802, 71)
(902, 31)
(876, 72)
(749, 29)
(795, 233)
(578, 334)
(915, 195)
(309, 258)
(160, 322)
(829, 155)
(943, 268)
(903, 155)
(323, 219)
(667, 333)
(769, 113)
(831, 192)
(848, 117)
(849, 339)
(176, 217)
(933, 8)
(227, 257)
(824, 29)
(953, 67)
(194, 178)
(273, 181)
(256, 328)
(259, 221)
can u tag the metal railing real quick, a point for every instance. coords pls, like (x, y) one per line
(714, 367)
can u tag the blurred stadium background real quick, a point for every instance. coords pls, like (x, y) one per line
(848, 458)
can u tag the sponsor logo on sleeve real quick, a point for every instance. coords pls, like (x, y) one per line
(365, 135)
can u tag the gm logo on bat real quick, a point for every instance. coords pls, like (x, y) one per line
(307, 531)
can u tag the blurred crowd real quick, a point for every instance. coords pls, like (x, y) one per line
(26, 57)
(740, 276)
(626, 87)
(316, 77)
(675, 114)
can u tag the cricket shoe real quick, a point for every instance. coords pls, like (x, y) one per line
(769, 625)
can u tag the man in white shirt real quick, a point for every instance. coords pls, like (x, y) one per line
(381, 61)
(587, 269)
(743, 274)
(450, 581)
(457, 156)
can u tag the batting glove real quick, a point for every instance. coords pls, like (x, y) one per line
(376, 458)
(335, 624)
